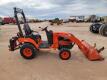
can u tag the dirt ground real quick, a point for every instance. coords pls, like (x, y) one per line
(47, 65)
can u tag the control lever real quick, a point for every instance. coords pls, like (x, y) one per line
(101, 49)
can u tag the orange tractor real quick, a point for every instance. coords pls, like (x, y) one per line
(30, 43)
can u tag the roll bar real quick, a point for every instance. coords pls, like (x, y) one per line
(16, 12)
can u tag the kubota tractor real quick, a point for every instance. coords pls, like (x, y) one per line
(30, 43)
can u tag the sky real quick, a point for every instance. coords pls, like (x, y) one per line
(46, 9)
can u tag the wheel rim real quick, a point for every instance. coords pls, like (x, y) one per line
(27, 52)
(65, 55)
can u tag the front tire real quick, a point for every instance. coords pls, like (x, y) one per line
(28, 51)
(65, 54)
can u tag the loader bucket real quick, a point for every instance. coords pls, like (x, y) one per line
(90, 52)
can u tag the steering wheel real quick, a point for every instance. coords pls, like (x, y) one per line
(43, 29)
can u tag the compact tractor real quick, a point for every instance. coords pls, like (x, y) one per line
(56, 21)
(30, 43)
(99, 27)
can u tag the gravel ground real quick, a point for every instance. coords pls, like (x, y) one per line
(47, 65)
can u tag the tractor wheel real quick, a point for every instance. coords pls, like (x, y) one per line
(91, 29)
(103, 30)
(94, 28)
(28, 51)
(65, 54)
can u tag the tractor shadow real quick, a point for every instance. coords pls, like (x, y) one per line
(47, 54)
(50, 54)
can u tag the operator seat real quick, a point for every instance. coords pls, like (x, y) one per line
(27, 29)
(29, 33)
(50, 37)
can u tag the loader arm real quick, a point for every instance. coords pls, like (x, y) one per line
(89, 51)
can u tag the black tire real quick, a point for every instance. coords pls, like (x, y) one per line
(94, 28)
(30, 50)
(103, 30)
(65, 54)
(91, 29)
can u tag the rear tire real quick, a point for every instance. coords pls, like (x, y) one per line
(28, 51)
(103, 30)
(65, 54)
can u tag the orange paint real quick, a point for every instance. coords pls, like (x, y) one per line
(29, 40)
(27, 52)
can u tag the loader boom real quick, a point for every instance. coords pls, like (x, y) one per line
(89, 51)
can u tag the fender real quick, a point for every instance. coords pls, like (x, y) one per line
(29, 40)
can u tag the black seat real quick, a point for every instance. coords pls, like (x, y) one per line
(50, 37)
(29, 33)
(27, 29)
